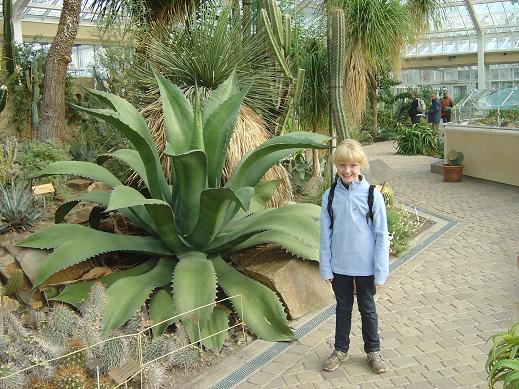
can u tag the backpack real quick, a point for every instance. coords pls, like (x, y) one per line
(421, 105)
(369, 215)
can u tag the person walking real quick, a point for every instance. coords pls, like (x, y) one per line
(354, 248)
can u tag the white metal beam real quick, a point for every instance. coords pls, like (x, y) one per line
(481, 45)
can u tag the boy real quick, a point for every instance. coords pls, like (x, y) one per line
(354, 247)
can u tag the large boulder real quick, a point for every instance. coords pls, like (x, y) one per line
(297, 282)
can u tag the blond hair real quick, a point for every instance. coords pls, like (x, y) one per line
(350, 151)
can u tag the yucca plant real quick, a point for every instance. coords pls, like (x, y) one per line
(503, 359)
(193, 225)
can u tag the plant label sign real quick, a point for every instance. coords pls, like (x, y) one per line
(42, 189)
(126, 371)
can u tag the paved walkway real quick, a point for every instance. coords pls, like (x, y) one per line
(436, 311)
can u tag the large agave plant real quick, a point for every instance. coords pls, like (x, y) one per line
(193, 225)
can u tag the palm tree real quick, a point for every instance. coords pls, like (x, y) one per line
(376, 32)
(52, 115)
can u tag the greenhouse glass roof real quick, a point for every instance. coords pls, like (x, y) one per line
(455, 33)
(50, 10)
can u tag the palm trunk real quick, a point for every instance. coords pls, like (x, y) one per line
(52, 117)
(316, 165)
(373, 102)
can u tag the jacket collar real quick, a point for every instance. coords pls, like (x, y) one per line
(355, 184)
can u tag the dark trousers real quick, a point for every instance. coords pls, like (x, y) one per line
(343, 289)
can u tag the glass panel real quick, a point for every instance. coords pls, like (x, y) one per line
(494, 72)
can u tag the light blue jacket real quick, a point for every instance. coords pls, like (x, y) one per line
(354, 247)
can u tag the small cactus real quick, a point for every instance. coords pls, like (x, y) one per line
(155, 349)
(50, 293)
(186, 358)
(61, 324)
(454, 158)
(71, 378)
(14, 382)
(111, 353)
(15, 283)
(76, 360)
(154, 376)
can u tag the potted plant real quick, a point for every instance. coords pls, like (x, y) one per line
(453, 169)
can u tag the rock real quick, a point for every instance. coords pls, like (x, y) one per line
(79, 214)
(79, 184)
(296, 281)
(30, 260)
(8, 265)
(99, 187)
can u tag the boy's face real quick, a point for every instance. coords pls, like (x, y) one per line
(348, 171)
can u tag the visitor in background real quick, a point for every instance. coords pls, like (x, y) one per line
(446, 106)
(433, 114)
(414, 109)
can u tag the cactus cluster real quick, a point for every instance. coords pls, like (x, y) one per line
(65, 332)
(278, 29)
(336, 54)
(18, 206)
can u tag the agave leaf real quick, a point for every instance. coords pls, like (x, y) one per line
(223, 92)
(259, 307)
(94, 243)
(79, 168)
(298, 226)
(178, 115)
(94, 197)
(132, 125)
(128, 294)
(262, 194)
(216, 329)
(77, 292)
(197, 142)
(306, 250)
(218, 129)
(129, 157)
(255, 163)
(161, 308)
(214, 208)
(160, 211)
(55, 235)
(189, 180)
(194, 285)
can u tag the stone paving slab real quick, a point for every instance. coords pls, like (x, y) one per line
(437, 309)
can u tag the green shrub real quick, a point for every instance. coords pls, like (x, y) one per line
(34, 156)
(503, 359)
(418, 139)
(401, 225)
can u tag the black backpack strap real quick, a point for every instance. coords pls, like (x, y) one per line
(371, 197)
(330, 201)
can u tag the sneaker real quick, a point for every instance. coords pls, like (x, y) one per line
(335, 360)
(377, 364)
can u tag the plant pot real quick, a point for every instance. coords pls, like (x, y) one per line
(452, 173)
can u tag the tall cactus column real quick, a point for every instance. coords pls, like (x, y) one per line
(336, 57)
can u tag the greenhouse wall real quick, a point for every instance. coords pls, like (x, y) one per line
(490, 153)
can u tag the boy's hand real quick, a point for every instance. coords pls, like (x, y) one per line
(329, 282)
